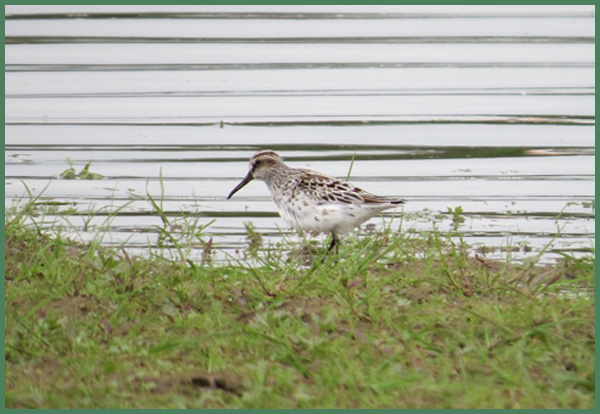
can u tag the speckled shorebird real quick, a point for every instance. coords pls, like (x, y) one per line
(311, 201)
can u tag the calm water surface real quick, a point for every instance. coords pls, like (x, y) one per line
(486, 108)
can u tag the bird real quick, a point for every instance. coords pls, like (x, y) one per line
(310, 201)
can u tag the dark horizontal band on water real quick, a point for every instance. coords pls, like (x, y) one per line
(280, 66)
(570, 91)
(345, 39)
(370, 120)
(292, 15)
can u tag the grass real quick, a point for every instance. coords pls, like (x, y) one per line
(393, 321)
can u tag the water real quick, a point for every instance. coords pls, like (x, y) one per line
(491, 109)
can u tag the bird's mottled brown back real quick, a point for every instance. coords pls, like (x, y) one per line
(328, 189)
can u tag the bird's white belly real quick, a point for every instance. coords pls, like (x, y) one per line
(325, 218)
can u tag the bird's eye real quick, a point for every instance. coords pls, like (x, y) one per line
(257, 162)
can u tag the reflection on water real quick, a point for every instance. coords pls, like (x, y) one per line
(490, 110)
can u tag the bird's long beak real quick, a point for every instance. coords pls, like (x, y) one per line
(238, 187)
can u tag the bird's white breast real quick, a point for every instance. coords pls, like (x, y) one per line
(305, 214)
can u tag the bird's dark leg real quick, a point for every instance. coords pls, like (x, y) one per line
(335, 242)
